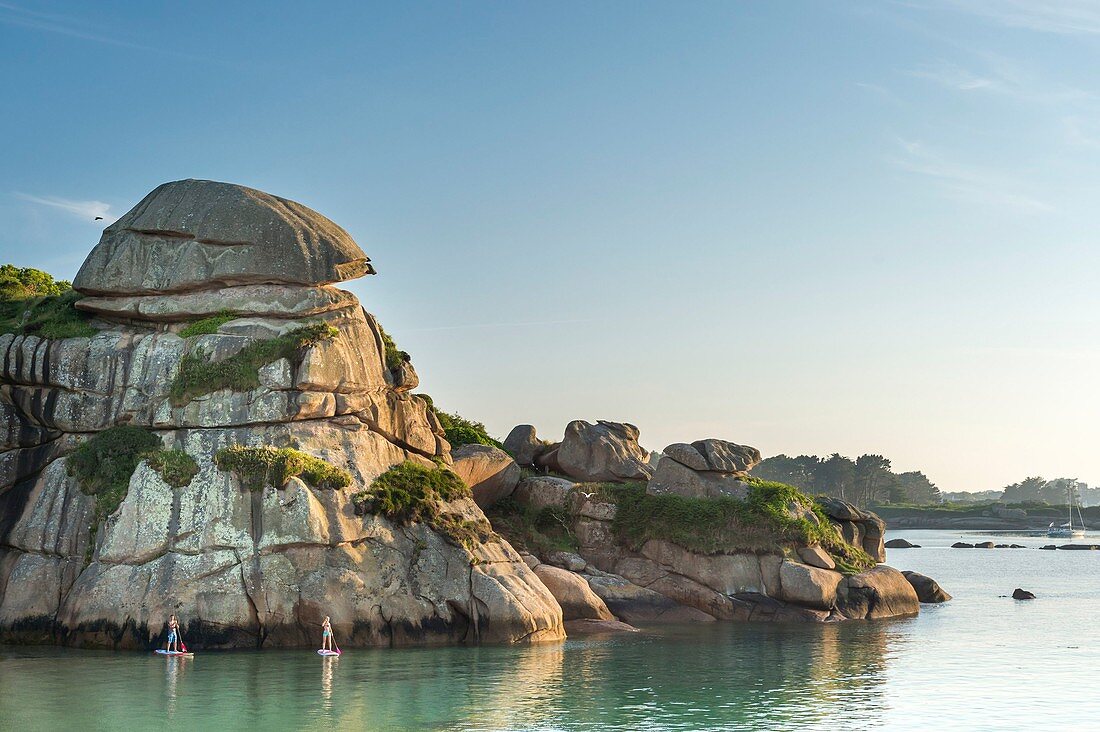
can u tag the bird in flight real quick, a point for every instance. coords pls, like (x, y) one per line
(98, 218)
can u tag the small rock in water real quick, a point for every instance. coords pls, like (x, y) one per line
(1049, 546)
(962, 545)
(984, 545)
(1019, 594)
(901, 544)
(927, 589)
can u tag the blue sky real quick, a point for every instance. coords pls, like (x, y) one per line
(808, 226)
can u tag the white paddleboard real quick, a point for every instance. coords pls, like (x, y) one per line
(163, 652)
(328, 653)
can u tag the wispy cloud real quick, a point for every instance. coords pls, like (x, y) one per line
(86, 210)
(967, 183)
(999, 75)
(1070, 17)
(74, 27)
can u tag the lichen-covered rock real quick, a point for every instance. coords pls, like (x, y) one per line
(241, 568)
(605, 451)
(704, 469)
(543, 491)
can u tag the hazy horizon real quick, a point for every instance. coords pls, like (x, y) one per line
(858, 228)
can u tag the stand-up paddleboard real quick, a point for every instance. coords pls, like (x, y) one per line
(163, 652)
(328, 653)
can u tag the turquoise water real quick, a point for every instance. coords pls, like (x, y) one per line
(979, 662)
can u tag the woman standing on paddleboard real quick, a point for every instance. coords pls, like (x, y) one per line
(173, 633)
(326, 635)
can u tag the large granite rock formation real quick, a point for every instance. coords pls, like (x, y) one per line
(240, 568)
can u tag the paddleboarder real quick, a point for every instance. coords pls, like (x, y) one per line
(326, 635)
(173, 634)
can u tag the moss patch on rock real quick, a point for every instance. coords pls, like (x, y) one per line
(206, 326)
(241, 372)
(766, 522)
(538, 531)
(257, 467)
(413, 493)
(176, 467)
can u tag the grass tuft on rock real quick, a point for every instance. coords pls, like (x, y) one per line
(537, 531)
(207, 326)
(762, 523)
(241, 372)
(52, 317)
(412, 493)
(257, 467)
(176, 467)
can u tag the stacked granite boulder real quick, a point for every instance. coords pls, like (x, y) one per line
(240, 568)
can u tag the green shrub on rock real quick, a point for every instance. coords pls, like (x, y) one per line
(459, 430)
(393, 355)
(241, 372)
(32, 302)
(257, 467)
(413, 493)
(104, 464)
(763, 523)
(538, 531)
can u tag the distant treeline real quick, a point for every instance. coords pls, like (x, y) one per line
(865, 481)
(1033, 490)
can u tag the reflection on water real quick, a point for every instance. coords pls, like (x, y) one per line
(714, 676)
(980, 662)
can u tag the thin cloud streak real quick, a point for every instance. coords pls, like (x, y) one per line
(1066, 17)
(1005, 77)
(86, 210)
(969, 184)
(71, 26)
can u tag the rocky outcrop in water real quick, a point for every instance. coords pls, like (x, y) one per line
(246, 560)
(768, 578)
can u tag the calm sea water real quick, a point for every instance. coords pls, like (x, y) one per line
(981, 661)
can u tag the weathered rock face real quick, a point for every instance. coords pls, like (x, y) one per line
(194, 234)
(572, 592)
(489, 471)
(524, 445)
(605, 451)
(240, 568)
(704, 469)
(858, 527)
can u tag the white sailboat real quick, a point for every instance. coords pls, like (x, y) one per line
(1068, 530)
